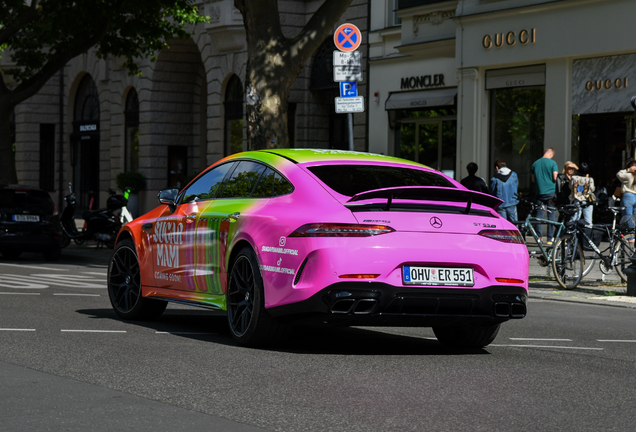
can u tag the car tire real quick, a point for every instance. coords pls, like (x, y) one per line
(124, 286)
(250, 324)
(11, 253)
(467, 336)
(53, 254)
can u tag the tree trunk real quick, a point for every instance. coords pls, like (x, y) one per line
(7, 156)
(274, 62)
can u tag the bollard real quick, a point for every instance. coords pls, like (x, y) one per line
(630, 272)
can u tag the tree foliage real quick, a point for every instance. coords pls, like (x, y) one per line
(38, 37)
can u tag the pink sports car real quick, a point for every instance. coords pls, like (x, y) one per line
(277, 238)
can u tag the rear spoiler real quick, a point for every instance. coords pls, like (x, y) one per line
(428, 193)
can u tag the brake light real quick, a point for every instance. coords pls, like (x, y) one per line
(506, 236)
(340, 230)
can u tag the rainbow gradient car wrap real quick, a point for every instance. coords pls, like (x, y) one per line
(336, 236)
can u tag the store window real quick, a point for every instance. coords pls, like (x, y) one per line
(518, 125)
(233, 116)
(131, 115)
(428, 137)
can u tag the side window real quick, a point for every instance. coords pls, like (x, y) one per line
(272, 184)
(242, 181)
(206, 187)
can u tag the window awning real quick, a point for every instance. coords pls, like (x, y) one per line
(421, 99)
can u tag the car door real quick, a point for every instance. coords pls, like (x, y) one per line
(173, 241)
(219, 222)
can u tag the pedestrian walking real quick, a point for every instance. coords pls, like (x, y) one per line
(628, 188)
(582, 187)
(473, 182)
(504, 185)
(544, 175)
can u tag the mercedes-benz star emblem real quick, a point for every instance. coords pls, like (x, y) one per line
(436, 222)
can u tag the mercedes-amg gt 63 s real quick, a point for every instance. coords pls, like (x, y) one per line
(277, 238)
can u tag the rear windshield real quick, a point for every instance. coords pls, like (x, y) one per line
(11, 198)
(352, 179)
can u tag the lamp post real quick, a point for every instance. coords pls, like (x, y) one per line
(631, 270)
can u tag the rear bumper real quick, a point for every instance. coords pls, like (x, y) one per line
(379, 304)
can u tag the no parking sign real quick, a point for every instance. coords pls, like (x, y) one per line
(347, 38)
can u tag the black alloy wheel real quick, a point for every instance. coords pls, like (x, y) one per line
(250, 324)
(124, 286)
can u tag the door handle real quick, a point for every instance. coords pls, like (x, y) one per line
(234, 216)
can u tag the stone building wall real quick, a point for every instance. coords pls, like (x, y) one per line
(181, 98)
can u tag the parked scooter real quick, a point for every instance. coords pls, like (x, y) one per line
(100, 225)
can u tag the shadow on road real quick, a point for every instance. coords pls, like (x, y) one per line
(207, 326)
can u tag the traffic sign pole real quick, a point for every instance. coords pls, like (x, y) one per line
(347, 69)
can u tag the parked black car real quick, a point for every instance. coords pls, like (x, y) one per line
(29, 222)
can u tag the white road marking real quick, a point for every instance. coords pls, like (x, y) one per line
(616, 340)
(93, 331)
(20, 282)
(38, 267)
(15, 329)
(16, 293)
(547, 346)
(183, 333)
(41, 281)
(539, 339)
(78, 295)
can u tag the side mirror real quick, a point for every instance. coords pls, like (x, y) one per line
(168, 197)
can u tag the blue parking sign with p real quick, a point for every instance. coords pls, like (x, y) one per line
(348, 89)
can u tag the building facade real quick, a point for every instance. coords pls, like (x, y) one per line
(453, 82)
(93, 121)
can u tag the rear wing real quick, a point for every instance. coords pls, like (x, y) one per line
(428, 193)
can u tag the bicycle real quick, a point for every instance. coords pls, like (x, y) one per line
(545, 252)
(568, 259)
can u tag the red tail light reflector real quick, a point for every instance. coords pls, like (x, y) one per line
(340, 230)
(359, 276)
(509, 280)
(506, 236)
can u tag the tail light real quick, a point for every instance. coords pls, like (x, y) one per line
(340, 230)
(506, 236)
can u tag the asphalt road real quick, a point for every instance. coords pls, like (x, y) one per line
(67, 363)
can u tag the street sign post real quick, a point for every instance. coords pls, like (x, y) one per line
(353, 58)
(348, 89)
(347, 37)
(347, 73)
(350, 104)
(347, 69)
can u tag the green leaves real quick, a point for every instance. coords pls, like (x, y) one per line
(37, 33)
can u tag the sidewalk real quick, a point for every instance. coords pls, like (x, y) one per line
(595, 288)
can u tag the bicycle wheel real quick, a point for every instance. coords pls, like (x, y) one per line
(622, 253)
(568, 262)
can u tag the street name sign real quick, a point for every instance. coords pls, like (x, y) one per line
(349, 105)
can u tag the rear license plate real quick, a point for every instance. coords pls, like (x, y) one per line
(438, 276)
(26, 218)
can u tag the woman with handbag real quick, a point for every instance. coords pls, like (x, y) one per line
(628, 188)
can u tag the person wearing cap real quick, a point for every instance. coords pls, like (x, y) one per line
(626, 177)
(563, 186)
(582, 187)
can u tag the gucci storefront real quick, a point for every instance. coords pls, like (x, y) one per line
(517, 77)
